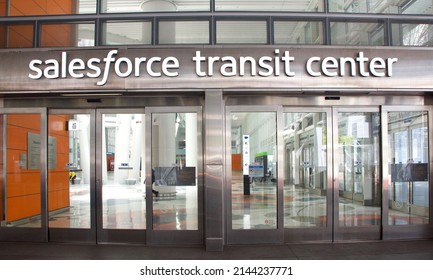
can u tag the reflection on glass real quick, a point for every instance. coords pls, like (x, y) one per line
(276, 5)
(16, 36)
(47, 7)
(383, 7)
(358, 151)
(357, 33)
(183, 32)
(21, 174)
(409, 167)
(306, 170)
(68, 35)
(174, 171)
(139, 6)
(241, 32)
(298, 32)
(127, 33)
(412, 34)
(254, 170)
(123, 163)
(69, 171)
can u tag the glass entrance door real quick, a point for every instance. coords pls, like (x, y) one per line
(307, 190)
(253, 172)
(174, 182)
(23, 148)
(357, 189)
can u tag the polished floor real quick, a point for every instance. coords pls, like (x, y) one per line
(378, 250)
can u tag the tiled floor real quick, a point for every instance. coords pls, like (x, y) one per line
(380, 250)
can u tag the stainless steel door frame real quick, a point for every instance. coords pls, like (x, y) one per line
(104, 235)
(411, 230)
(316, 233)
(254, 236)
(20, 233)
(175, 237)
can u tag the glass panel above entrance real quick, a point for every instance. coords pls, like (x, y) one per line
(409, 168)
(254, 170)
(305, 178)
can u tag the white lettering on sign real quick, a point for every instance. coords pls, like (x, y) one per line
(123, 67)
(332, 67)
(280, 63)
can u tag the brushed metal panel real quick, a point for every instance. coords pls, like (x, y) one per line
(412, 71)
(214, 201)
(214, 127)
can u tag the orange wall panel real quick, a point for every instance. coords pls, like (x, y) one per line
(31, 121)
(23, 207)
(41, 7)
(3, 7)
(20, 36)
(236, 162)
(23, 184)
(59, 180)
(58, 200)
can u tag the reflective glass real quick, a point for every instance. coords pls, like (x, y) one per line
(357, 33)
(123, 162)
(358, 170)
(183, 32)
(47, 7)
(68, 35)
(381, 7)
(241, 32)
(409, 167)
(272, 5)
(174, 171)
(127, 33)
(305, 175)
(254, 170)
(406, 34)
(139, 6)
(20, 182)
(298, 32)
(16, 36)
(69, 171)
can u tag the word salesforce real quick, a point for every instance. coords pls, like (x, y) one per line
(280, 64)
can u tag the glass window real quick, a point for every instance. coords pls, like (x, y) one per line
(357, 33)
(123, 163)
(274, 5)
(20, 183)
(68, 35)
(360, 194)
(305, 176)
(174, 171)
(298, 32)
(69, 171)
(383, 7)
(47, 7)
(241, 32)
(405, 34)
(139, 6)
(254, 170)
(409, 187)
(16, 36)
(183, 32)
(127, 33)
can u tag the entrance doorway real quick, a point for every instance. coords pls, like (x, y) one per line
(316, 174)
(113, 175)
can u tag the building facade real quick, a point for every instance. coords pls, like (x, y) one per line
(214, 122)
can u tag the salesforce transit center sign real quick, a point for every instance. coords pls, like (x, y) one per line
(218, 67)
